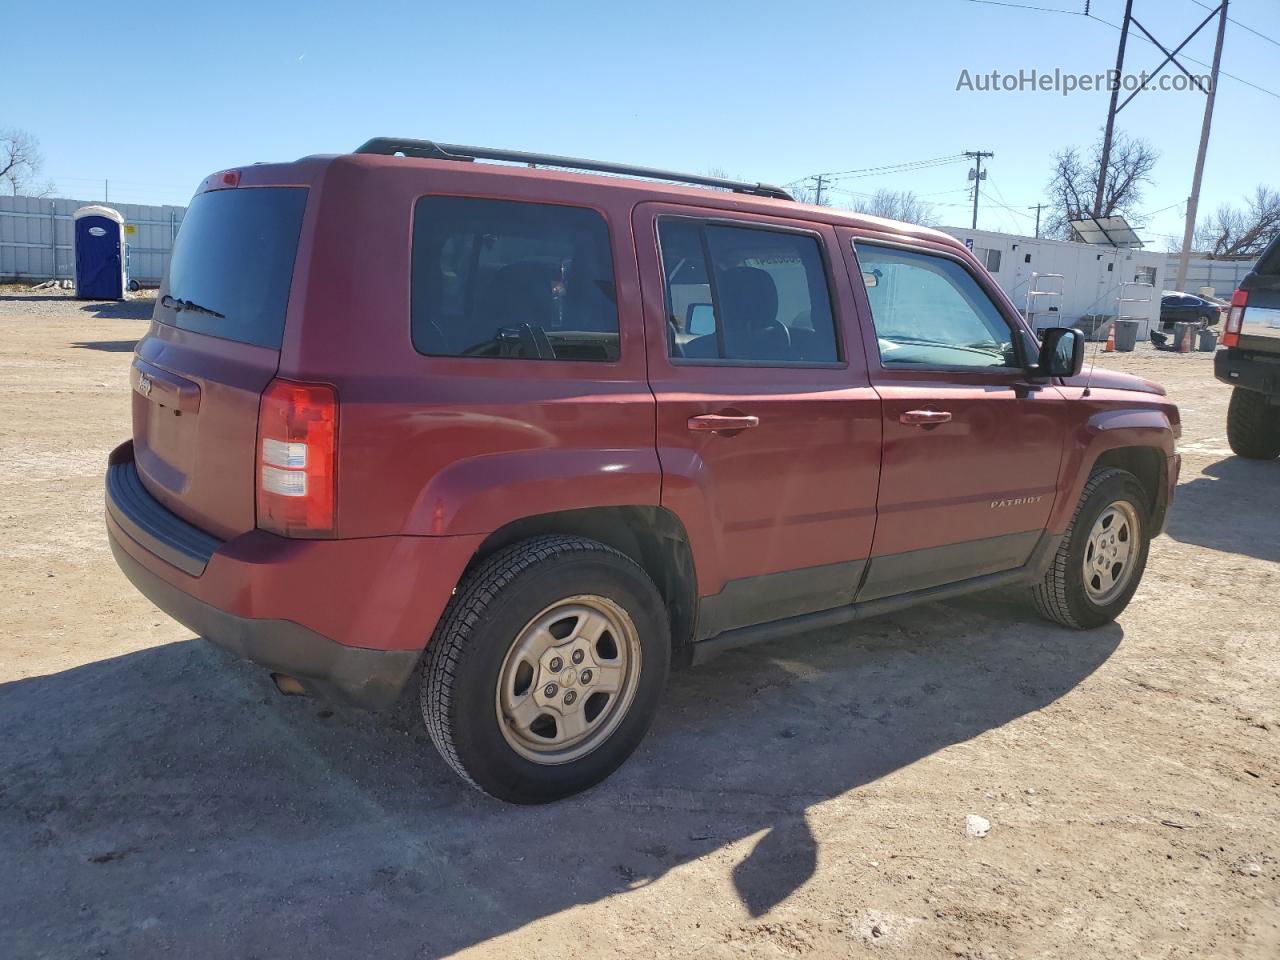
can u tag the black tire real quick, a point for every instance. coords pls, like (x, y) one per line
(464, 660)
(1061, 596)
(1253, 425)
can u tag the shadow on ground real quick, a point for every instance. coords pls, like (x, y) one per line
(165, 802)
(107, 346)
(121, 309)
(1231, 508)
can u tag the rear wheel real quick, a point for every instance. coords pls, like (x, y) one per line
(1102, 556)
(546, 669)
(1253, 425)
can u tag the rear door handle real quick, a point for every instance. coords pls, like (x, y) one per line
(722, 422)
(924, 418)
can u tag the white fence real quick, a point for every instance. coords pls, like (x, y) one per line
(1223, 275)
(36, 238)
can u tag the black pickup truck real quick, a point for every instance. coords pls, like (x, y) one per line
(1250, 362)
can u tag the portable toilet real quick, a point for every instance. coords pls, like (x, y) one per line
(100, 254)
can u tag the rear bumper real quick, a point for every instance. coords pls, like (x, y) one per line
(349, 618)
(361, 677)
(1239, 368)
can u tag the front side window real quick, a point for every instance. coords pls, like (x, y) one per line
(928, 311)
(525, 281)
(745, 294)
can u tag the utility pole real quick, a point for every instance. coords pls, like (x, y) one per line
(1188, 232)
(977, 175)
(1037, 208)
(817, 190)
(1112, 111)
(106, 191)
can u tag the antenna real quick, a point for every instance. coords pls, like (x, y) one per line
(1088, 381)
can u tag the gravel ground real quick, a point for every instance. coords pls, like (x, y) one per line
(801, 798)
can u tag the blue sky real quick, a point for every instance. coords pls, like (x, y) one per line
(763, 90)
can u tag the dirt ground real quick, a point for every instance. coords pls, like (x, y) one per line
(802, 798)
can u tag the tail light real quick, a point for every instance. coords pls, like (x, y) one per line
(1235, 319)
(297, 459)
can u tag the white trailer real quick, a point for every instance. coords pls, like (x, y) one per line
(1094, 281)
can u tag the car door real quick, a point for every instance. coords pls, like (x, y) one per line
(1183, 309)
(768, 430)
(972, 447)
(1202, 310)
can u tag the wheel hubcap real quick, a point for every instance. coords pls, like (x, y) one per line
(1111, 551)
(569, 679)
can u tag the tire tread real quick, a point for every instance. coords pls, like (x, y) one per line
(1253, 425)
(1051, 592)
(465, 609)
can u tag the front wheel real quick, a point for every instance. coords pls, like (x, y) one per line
(546, 668)
(1102, 556)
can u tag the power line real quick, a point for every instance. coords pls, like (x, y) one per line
(1171, 206)
(1242, 26)
(939, 193)
(908, 166)
(895, 170)
(1017, 213)
(999, 201)
(1113, 26)
(895, 167)
(1247, 83)
(1027, 6)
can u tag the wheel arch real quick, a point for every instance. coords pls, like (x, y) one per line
(1150, 466)
(1139, 439)
(652, 536)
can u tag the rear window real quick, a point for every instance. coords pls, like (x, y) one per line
(522, 281)
(234, 256)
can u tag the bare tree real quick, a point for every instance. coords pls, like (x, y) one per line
(1074, 183)
(897, 205)
(1241, 231)
(20, 162)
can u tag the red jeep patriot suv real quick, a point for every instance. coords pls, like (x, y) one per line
(523, 438)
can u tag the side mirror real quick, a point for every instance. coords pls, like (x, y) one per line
(700, 319)
(1061, 352)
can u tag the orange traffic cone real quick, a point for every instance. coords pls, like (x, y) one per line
(1111, 340)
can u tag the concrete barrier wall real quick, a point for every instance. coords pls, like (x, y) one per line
(1223, 275)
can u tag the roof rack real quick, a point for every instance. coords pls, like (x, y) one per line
(430, 150)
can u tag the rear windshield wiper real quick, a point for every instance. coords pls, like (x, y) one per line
(175, 304)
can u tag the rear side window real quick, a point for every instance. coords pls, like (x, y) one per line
(523, 281)
(234, 256)
(745, 294)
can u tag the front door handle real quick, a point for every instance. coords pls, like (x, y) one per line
(925, 418)
(722, 422)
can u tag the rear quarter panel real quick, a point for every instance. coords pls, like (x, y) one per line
(446, 446)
